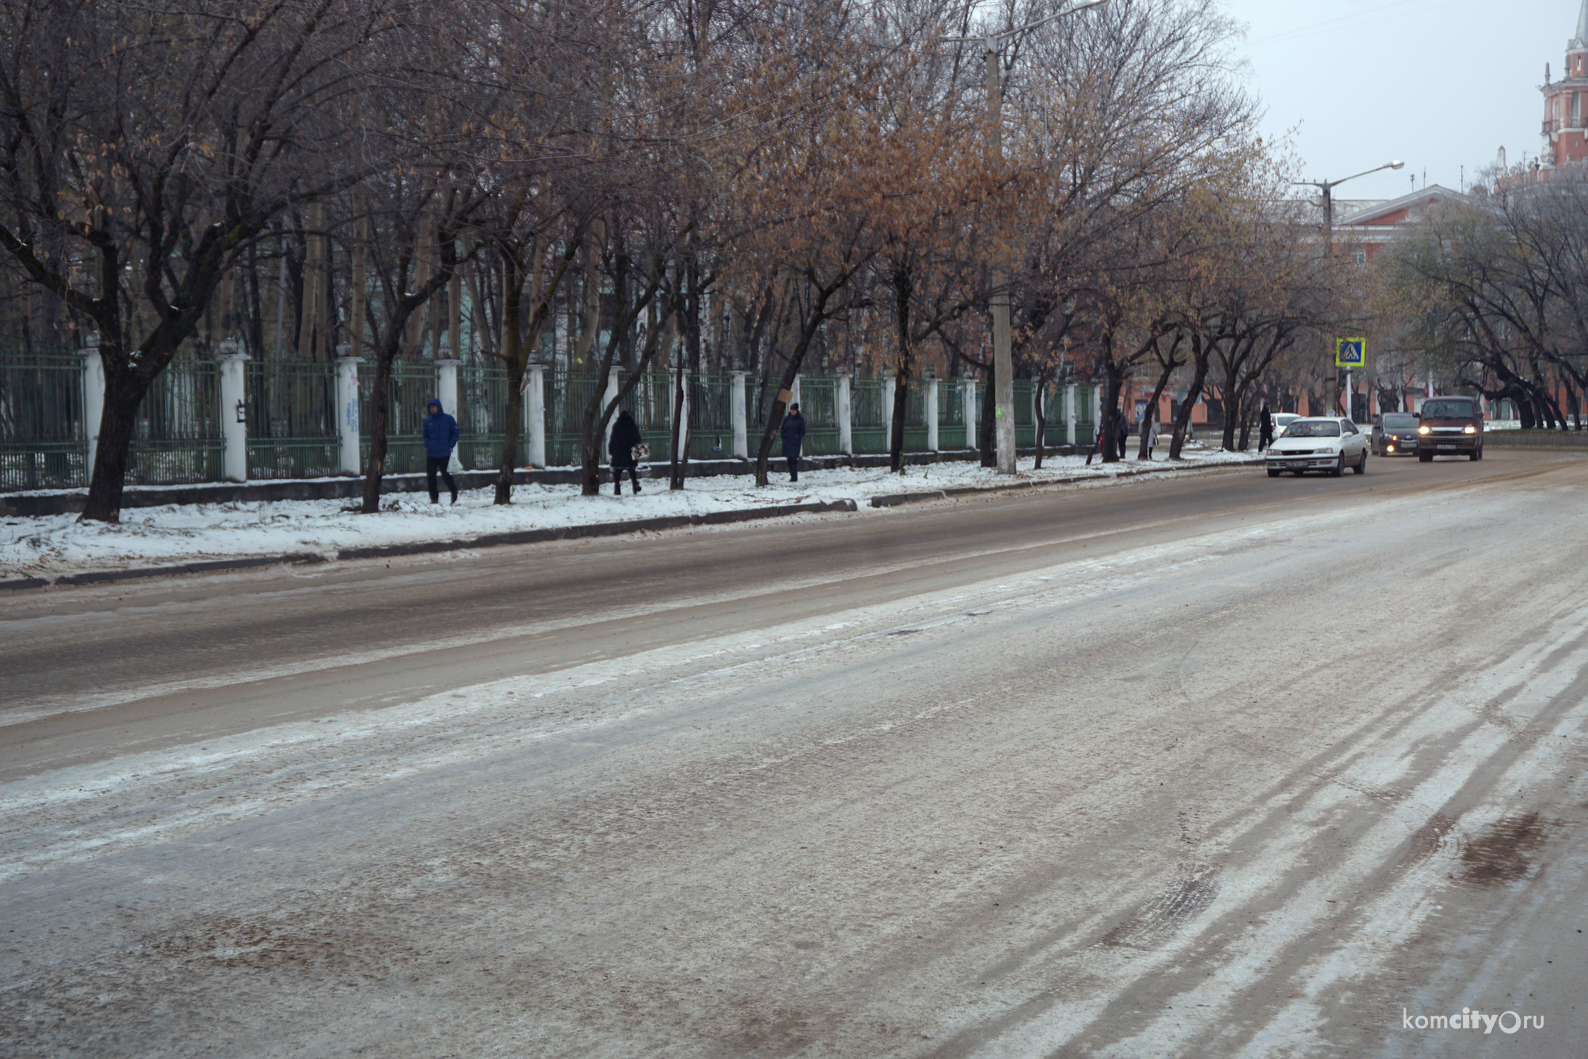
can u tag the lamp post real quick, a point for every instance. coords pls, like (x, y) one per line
(1003, 353)
(1327, 188)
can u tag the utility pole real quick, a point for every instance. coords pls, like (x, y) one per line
(1327, 188)
(1003, 341)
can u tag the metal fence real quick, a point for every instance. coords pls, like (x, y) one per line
(177, 436)
(291, 414)
(41, 423)
(292, 418)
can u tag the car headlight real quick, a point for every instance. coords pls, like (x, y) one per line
(1422, 430)
(1469, 429)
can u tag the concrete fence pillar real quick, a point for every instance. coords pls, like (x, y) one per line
(349, 460)
(234, 411)
(795, 390)
(1070, 412)
(93, 398)
(739, 415)
(972, 410)
(846, 419)
(683, 421)
(610, 396)
(447, 382)
(890, 382)
(535, 413)
(931, 415)
(1097, 410)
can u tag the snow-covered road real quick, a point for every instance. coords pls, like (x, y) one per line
(1249, 792)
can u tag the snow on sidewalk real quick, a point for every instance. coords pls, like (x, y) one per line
(54, 545)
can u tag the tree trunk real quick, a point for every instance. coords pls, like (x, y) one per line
(1182, 422)
(124, 393)
(379, 422)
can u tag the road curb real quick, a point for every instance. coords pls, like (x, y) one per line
(100, 577)
(386, 551)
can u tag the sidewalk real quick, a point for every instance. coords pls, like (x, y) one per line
(36, 551)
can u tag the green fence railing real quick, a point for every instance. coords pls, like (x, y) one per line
(41, 423)
(293, 429)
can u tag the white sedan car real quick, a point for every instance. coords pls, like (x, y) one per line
(1318, 443)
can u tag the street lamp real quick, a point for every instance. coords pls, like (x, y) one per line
(1003, 355)
(1327, 187)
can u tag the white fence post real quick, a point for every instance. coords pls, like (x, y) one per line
(93, 398)
(606, 399)
(683, 421)
(535, 411)
(234, 411)
(739, 415)
(931, 414)
(889, 383)
(349, 460)
(447, 382)
(846, 434)
(1070, 410)
(972, 410)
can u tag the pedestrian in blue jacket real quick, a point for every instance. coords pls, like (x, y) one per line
(793, 432)
(441, 434)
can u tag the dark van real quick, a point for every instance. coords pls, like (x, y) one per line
(1450, 426)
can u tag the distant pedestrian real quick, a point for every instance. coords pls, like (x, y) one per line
(1152, 434)
(625, 439)
(441, 435)
(1124, 432)
(1265, 433)
(793, 432)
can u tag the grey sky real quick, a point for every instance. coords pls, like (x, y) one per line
(1439, 84)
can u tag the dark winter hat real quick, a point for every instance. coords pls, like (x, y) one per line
(795, 407)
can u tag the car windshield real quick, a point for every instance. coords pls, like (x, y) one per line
(1313, 428)
(1450, 409)
(1400, 422)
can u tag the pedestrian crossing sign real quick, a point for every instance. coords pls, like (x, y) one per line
(1350, 352)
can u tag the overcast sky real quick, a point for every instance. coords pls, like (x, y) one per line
(1439, 84)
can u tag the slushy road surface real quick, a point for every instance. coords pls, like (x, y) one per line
(1221, 766)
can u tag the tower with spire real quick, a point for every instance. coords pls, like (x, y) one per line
(1566, 102)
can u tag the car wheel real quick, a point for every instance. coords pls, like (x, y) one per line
(1273, 472)
(1361, 465)
(1425, 457)
(1339, 467)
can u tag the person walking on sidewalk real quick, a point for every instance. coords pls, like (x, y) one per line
(1265, 434)
(1152, 433)
(441, 435)
(625, 436)
(793, 431)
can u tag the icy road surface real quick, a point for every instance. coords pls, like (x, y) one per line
(1259, 791)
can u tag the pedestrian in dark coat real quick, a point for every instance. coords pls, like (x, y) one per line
(793, 432)
(1265, 434)
(1124, 433)
(441, 435)
(625, 435)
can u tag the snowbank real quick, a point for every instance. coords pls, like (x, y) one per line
(58, 544)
